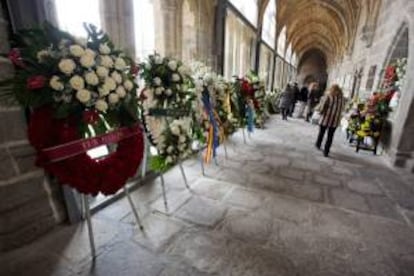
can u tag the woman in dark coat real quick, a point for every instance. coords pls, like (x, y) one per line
(331, 110)
(286, 99)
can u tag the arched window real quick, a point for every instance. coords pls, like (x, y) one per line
(281, 42)
(72, 14)
(248, 8)
(239, 46)
(144, 28)
(269, 24)
(288, 55)
(294, 59)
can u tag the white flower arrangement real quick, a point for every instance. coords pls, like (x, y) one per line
(166, 89)
(93, 75)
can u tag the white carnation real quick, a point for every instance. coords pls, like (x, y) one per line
(172, 65)
(106, 61)
(76, 50)
(170, 149)
(208, 78)
(56, 84)
(183, 70)
(182, 139)
(117, 77)
(113, 98)
(120, 91)
(159, 90)
(148, 66)
(87, 61)
(103, 91)
(110, 83)
(128, 85)
(182, 147)
(104, 49)
(77, 82)
(158, 59)
(157, 81)
(67, 66)
(175, 130)
(169, 160)
(101, 105)
(120, 64)
(175, 77)
(83, 95)
(91, 78)
(168, 92)
(102, 71)
(42, 55)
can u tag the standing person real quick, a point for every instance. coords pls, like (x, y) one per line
(286, 99)
(303, 98)
(331, 110)
(296, 96)
(312, 101)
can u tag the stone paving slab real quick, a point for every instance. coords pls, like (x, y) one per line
(202, 211)
(158, 230)
(363, 186)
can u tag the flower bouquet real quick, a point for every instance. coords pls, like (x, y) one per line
(166, 104)
(245, 103)
(81, 95)
(259, 99)
(209, 127)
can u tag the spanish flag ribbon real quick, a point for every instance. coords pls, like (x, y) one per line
(213, 132)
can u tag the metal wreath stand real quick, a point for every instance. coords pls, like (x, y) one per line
(164, 113)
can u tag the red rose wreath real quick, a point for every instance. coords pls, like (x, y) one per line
(89, 176)
(82, 95)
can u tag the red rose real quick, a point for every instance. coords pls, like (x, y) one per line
(134, 69)
(36, 82)
(90, 117)
(16, 58)
(245, 86)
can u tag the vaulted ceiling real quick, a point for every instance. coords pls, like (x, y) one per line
(327, 25)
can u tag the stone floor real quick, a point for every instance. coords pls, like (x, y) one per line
(276, 206)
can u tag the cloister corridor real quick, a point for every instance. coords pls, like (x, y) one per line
(275, 206)
(105, 103)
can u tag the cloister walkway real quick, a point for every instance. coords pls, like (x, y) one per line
(276, 206)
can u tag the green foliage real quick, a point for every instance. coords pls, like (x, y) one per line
(157, 163)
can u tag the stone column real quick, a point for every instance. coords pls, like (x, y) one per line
(167, 27)
(27, 13)
(118, 21)
(220, 36)
(29, 204)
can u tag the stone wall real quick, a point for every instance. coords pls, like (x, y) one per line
(29, 204)
(393, 15)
